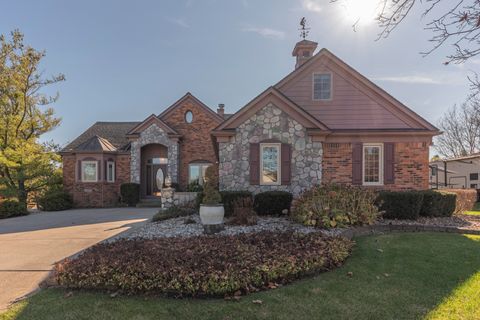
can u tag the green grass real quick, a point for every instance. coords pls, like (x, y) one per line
(395, 276)
(475, 211)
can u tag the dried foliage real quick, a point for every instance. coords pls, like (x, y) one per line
(203, 266)
(243, 213)
(330, 206)
(465, 199)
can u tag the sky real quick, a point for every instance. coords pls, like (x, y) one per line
(124, 60)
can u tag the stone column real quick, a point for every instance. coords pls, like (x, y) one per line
(173, 160)
(168, 198)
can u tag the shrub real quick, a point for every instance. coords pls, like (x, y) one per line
(194, 186)
(211, 196)
(130, 193)
(173, 212)
(12, 208)
(438, 204)
(272, 202)
(55, 200)
(331, 206)
(229, 198)
(203, 266)
(243, 213)
(466, 199)
(400, 204)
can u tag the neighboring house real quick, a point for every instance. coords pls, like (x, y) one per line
(324, 122)
(456, 173)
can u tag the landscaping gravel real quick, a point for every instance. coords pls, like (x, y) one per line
(190, 226)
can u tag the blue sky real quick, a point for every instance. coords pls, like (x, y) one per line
(125, 60)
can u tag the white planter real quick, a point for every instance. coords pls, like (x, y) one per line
(211, 214)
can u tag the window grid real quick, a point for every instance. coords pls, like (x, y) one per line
(270, 164)
(110, 171)
(89, 171)
(372, 165)
(322, 86)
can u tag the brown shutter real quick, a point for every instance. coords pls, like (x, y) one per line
(99, 170)
(79, 170)
(389, 162)
(106, 169)
(357, 160)
(254, 163)
(115, 171)
(286, 168)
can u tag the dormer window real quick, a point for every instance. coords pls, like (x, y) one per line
(322, 86)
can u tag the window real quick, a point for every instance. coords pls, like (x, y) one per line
(322, 86)
(372, 164)
(434, 171)
(306, 54)
(270, 163)
(473, 186)
(89, 171)
(196, 173)
(188, 116)
(110, 171)
(473, 176)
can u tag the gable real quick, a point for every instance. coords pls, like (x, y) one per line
(190, 98)
(356, 104)
(276, 98)
(148, 122)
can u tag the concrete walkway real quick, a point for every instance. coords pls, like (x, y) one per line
(30, 245)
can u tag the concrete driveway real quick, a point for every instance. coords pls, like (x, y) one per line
(30, 245)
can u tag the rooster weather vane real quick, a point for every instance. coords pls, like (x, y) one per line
(304, 30)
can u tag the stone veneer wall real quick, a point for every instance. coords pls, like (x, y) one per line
(270, 123)
(153, 134)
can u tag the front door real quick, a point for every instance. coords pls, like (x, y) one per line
(154, 178)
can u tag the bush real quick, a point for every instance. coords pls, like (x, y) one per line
(203, 266)
(194, 186)
(211, 196)
(55, 200)
(12, 208)
(331, 206)
(229, 198)
(400, 204)
(272, 202)
(130, 193)
(243, 213)
(438, 204)
(173, 212)
(466, 199)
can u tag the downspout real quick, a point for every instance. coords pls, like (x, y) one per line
(445, 172)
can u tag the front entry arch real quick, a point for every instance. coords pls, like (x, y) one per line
(154, 161)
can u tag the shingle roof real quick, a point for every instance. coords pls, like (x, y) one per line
(96, 143)
(113, 132)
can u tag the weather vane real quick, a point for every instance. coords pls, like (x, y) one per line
(304, 30)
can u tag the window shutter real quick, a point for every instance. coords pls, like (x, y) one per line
(115, 171)
(99, 171)
(286, 167)
(79, 170)
(254, 163)
(106, 170)
(389, 162)
(357, 160)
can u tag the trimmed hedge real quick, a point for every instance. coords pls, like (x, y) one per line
(130, 193)
(203, 266)
(272, 202)
(173, 212)
(438, 204)
(12, 208)
(466, 199)
(400, 204)
(55, 200)
(229, 198)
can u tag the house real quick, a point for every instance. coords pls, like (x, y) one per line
(323, 122)
(455, 173)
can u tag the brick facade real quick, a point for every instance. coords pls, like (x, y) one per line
(95, 194)
(411, 165)
(196, 143)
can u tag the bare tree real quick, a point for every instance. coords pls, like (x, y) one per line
(455, 22)
(461, 130)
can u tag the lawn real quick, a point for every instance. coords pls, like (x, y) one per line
(393, 276)
(475, 211)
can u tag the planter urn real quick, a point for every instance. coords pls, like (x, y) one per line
(211, 216)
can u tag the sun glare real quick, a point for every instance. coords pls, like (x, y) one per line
(360, 12)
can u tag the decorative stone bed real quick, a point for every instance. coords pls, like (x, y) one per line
(190, 226)
(460, 221)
